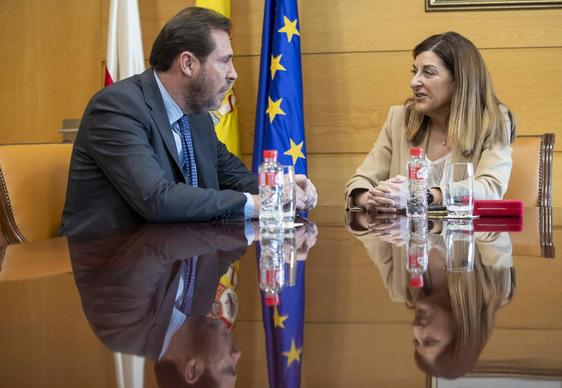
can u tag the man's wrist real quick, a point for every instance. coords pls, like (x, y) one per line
(252, 206)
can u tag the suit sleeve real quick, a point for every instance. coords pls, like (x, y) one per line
(232, 172)
(119, 129)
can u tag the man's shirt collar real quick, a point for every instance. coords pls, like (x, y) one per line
(172, 109)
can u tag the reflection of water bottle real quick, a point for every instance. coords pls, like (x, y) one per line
(417, 259)
(272, 270)
(417, 183)
(270, 175)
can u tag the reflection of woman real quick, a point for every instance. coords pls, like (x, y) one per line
(453, 114)
(454, 318)
(454, 311)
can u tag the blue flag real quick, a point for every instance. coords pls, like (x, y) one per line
(284, 333)
(279, 112)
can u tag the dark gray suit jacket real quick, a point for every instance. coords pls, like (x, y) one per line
(125, 168)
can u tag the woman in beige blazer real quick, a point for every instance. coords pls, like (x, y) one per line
(454, 115)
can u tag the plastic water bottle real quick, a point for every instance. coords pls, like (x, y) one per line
(271, 264)
(417, 258)
(270, 175)
(417, 183)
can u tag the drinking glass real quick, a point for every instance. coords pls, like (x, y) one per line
(290, 254)
(289, 195)
(459, 188)
(459, 236)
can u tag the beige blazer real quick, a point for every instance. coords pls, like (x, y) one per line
(387, 158)
(493, 249)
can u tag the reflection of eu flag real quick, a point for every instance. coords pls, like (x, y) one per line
(284, 327)
(279, 112)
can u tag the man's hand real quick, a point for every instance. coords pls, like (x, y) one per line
(305, 238)
(307, 197)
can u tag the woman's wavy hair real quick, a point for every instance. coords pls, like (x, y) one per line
(475, 298)
(475, 111)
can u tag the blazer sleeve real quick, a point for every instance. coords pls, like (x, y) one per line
(492, 174)
(119, 129)
(232, 173)
(376, 166)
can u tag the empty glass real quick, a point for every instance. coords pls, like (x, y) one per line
(459, 188)
(289, 195)
(459, 236)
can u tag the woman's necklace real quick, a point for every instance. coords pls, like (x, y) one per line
(443, 143)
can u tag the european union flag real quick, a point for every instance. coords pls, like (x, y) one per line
(279, 113)
(284, 334)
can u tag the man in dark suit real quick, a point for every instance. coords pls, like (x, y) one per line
(146, 150)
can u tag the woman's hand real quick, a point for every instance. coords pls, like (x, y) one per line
(389, 196)
(389, 227)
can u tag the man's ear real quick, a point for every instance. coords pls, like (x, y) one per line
(193, 369)
(188, 63)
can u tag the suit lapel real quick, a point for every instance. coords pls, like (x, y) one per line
(153, 99)
(201, 145)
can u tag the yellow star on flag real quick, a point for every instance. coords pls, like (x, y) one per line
(274, 109)
(295, 151)
(278, 319)
(276, 65)
(294, 354)
(290, 28)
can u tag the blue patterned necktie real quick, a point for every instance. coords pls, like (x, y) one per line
(188, 166)
(189, 270)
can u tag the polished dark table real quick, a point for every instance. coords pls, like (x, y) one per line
(62, 328)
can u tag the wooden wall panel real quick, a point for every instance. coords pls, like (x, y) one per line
(367, 25)
(347, 96)
(51, 65)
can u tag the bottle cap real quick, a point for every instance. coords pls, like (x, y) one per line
(271, 299)
(416, 282)
(270, 154)
(416, 151)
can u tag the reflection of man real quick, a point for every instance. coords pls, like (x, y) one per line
(139, 287)
(147, 291)
(201, 354)
(146, 149)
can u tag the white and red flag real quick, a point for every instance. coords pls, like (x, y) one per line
(125, 55)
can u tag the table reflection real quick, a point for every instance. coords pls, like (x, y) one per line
(452, 276)
(348, 327)
(168, 293)
(281, 264)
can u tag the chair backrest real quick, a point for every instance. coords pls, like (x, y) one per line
(531, 174)
(33, 179)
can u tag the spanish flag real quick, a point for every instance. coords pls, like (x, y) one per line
(226, 118)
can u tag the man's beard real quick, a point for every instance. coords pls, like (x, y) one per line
(199, 97)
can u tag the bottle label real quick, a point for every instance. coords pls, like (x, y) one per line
(268, 179)
(412, 261)
(417, 172)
